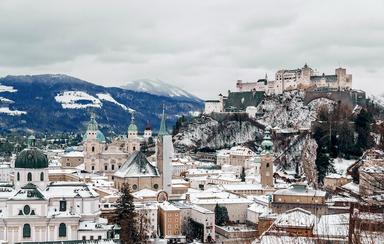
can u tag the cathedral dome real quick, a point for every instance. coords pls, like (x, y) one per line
(99, 136)
(132, 128)
(31, 158)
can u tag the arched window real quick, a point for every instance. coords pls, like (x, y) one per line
(106, 167)
(26, 230)
(134, 148)
(62, 230)
(93, 148)
(29, 176)
(267, 165)
(113, 167)
(18, 176)
(42, 176)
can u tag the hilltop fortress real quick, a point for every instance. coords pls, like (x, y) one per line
(250, 94)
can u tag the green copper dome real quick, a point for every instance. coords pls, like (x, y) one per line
(31, 158)
(99, 137)
(132, 127)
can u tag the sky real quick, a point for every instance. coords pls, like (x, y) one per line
(201, 46)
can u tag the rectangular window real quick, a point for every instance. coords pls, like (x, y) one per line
(63, 206)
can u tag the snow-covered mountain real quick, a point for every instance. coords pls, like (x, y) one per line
(61, 103)
(158, 87)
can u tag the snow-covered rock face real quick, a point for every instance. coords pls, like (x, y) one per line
(290, 111)
(157, 87)
(208, 132)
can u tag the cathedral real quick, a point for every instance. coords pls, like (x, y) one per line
(140, 174)
(32, 209)
(107, 158)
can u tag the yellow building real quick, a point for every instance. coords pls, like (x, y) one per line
(170, 221)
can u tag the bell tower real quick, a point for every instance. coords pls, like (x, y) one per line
(164, 155)
(266, 162)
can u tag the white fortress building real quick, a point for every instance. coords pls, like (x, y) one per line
(250, 93)
(301, 78)
(34, 210)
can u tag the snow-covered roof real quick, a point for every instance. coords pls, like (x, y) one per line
(296, 218)
(145, 193)
(333, 225)
(259, 208)
(69, 189)
(241, 187)
(279, 239)
(351, 186)
(300, 190)
(137, 165)
(73, 154)
(201, 209)
(29, 192)
(167, 206)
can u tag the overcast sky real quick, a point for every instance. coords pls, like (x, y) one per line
(201, 46)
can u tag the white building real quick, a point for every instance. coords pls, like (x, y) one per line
(34, 210)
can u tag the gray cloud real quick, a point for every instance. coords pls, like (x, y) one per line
(202, 46)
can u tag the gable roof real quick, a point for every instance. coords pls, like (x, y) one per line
(296, 218)
(29, 192)
(137, 165)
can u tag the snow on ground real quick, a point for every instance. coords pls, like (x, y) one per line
(7, 88)
(73, 99)
(80, 99)
(107, 97)
(6, 110)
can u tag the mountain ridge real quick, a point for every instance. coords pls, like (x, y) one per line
(68, 101)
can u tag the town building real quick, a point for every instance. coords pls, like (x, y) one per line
(170, 221)
(299, 195)
(35, 210)
(140, 174)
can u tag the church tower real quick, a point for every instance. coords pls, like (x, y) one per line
(164, 155)
(94, 144)
(266, 162)
(133, 143)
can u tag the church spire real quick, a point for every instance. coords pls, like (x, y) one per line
(132, 128)
(92, 124)
(163, 127)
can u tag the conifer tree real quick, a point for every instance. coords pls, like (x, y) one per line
(242, 175)
(126, 217)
